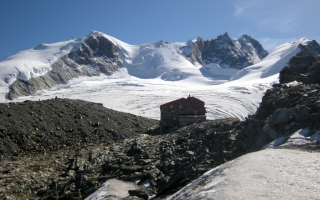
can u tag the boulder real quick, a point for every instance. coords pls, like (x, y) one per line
(270, 131)
(139, 193)
(280, 116)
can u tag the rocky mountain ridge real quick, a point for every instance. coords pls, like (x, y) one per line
(227, 52)
(163, 162)
(101, 54)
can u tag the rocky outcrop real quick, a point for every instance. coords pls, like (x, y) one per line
(289, 106)
(305, 69)
(312, 48)
(285, 110)
(95, 55)
(227, 52)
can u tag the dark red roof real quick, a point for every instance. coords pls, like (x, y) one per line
(196, 99)
(183, 99)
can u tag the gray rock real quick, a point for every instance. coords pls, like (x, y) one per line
(270, 131)
(301, 113)
(304, 69)
(280, 116)
(189, 153)
(139, 193)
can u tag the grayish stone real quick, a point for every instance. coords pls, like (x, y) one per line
(301, 113)
(280, 116)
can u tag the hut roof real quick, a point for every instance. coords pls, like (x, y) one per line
(196, 100)
(185, 100)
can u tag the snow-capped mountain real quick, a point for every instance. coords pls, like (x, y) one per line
(47, 65)
(278, 59)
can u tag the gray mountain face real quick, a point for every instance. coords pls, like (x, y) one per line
(304, 67)
(95, 55)
(312, 48)
(226, 52)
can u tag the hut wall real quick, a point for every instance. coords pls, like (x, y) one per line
(191, 119)
(170, 112)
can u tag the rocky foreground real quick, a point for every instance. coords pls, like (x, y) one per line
(65, 149)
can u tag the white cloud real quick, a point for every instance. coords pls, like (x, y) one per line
(274, 15)
(238, 10)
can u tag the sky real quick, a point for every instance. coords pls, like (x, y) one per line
(26, 24)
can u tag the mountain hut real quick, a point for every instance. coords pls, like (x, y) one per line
(182, 112)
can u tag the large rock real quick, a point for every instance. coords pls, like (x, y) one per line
(280, 116)
(270, 131)
(144, 194)
(301, 113)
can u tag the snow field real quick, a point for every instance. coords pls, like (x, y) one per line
(143, 97)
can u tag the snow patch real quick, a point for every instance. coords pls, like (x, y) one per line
(298, 138)
(268, 174)
(114, 189)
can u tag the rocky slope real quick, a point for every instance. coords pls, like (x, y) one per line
(70, 147)
(289, 105)
(33, 127)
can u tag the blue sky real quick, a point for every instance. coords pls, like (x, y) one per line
(25, 24)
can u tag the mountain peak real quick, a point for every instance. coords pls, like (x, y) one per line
(224, 36)
(227, 52)
(245, 36)
(95, 34)
(248, 40)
